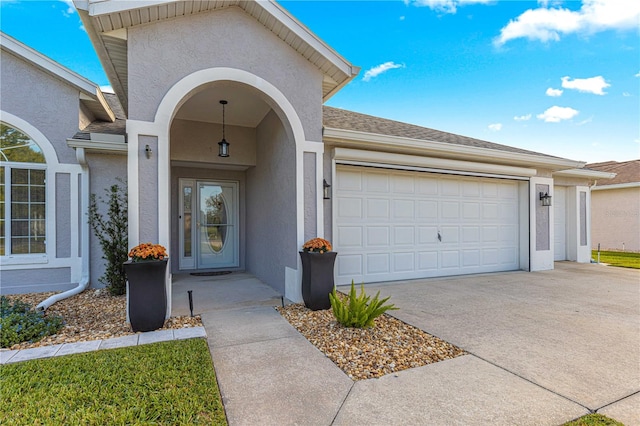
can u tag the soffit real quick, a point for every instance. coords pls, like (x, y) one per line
(109, 19)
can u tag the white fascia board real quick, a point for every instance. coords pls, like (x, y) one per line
(105, 7)
(366, 140)
(585, 173)
(305, 34)
(99, 146)
(616, 186)
(382, 158)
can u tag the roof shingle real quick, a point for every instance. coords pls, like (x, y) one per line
(626, 171)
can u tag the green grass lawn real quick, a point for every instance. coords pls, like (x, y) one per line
(618, 258)
(594, 420)
(166, 383)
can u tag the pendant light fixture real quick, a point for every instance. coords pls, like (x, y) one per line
(223, 145)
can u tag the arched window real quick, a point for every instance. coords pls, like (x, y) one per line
(22, 194)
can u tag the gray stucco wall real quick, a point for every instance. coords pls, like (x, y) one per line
(148, 189)
(104, 171)
(271, 204)
(203, 174)
(63, 215)
(583, 218)
(42, 100)
(542, 221)
(328, 222)
(310, 204)
(36, 280)
(161, 54)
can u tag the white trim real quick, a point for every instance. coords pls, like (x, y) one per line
(540, 260)
(439, 165)
(366, 140)
(585, 173)
(616, 186)
(96, 146)
(55, 69)
(52, 166)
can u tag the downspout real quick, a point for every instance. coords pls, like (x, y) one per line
(84, 219)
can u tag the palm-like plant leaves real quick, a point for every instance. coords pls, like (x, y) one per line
(359, 310)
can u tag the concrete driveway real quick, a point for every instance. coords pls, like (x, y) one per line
(574, 331)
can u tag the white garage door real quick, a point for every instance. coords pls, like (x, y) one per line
(393, 225)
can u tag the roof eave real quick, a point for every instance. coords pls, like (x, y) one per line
(585, 173)
(364, 140)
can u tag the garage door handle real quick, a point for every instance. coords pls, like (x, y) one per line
(439, 237)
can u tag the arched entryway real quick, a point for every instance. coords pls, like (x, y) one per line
(260, 184)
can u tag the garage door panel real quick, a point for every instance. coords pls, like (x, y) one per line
(388, 222)
(427, 260)
(378, 236)
(449, 187)
(427, 235)
(350, 237)
(449, 210)
(378, 209)
(427, 209)
(377, 182)
(403, 209)
(350, 180)
(378, 263)
(404, 262)
(349, 265)
(450, 234)
(403, 184)
(450, 259)
(404, 235)
(470, 258)
(470, 234)
(490, 211)
(350, 207)
(426, 185)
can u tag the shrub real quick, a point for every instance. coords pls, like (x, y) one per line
(112, 233)
(19, 323)
(318, 245)
(358, 311)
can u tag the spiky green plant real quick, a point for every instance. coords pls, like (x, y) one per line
(358, 310)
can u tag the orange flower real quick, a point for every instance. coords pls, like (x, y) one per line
(319, 245)
(147, 251)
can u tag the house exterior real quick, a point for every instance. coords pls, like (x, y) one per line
(615, 207)
(404, 201)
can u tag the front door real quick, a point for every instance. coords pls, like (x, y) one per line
(208, 224)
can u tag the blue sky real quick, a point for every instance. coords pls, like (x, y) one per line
(559, 77)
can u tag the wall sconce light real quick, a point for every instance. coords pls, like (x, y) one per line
(147, 151)
(545, 198)
(223, 145)
(326, 191)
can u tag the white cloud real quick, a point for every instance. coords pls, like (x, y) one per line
(444, 6)
(402, 18)
(626, 94)
(379, 69)
(583, 122)
(548, 24)
(637, 75)
(107, 89)
(522, 117)
(593, 85)
(496, 127)
(556, 114)
(70, 8)
(553, 92)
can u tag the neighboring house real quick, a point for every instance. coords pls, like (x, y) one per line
(615, 207)
(404, 201)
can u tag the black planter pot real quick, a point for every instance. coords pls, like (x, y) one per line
(147, 297)
(317, 279)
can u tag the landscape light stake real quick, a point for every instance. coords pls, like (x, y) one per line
(190, 301)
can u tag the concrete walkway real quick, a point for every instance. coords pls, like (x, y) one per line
(545, 348)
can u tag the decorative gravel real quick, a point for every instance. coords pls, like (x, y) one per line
(91, 315)
(390, 346)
